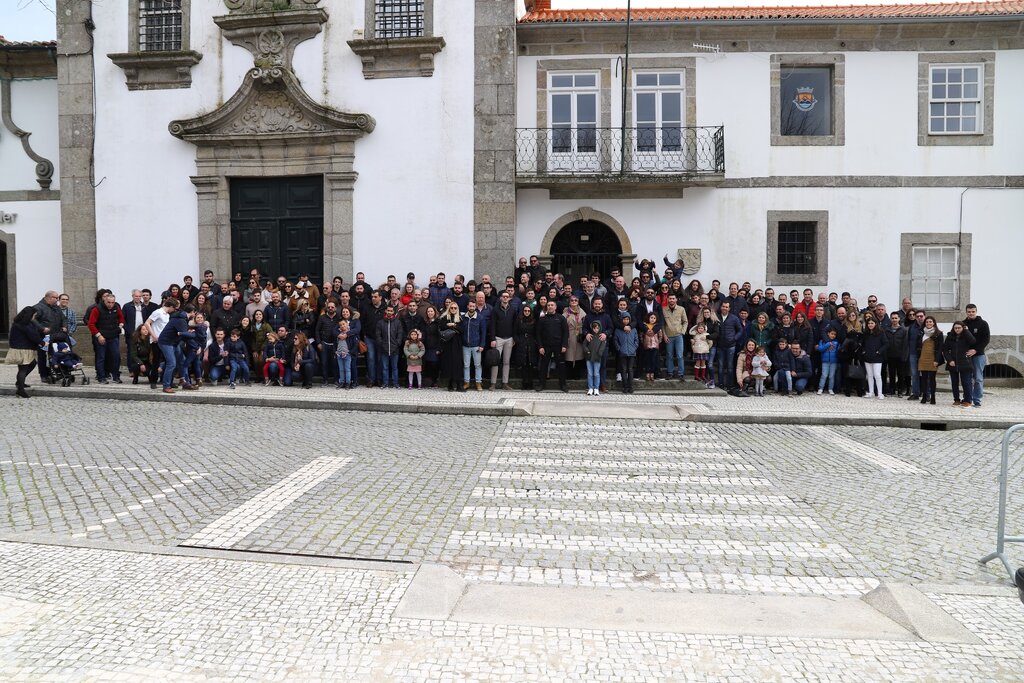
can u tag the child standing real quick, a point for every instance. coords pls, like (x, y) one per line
(701, 347)
(653, 336)
(342, 351)
(759, 369)
(626, 343)
(593, 352)
(237, 358)
(414, 351)
(829, 350)
(192, 371)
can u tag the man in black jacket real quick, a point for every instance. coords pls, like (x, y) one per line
(49, 319)
(552, 340)
(227, 317)
(501, 332)
(326, 341)
(982, 335)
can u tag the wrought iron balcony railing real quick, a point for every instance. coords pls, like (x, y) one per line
(581, 151)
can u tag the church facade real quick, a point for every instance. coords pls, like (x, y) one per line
(861, 148)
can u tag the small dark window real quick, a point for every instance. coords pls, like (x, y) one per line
(798, 247)
(159, 25)
(398, 18)
(806, 100)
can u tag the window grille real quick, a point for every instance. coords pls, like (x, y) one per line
(798, 249)
(398, 18)
(159, 25)
(954, 105)
(934, 277)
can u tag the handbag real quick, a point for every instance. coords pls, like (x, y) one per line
(491, 358)
(856, 372)
(447, 335)
(362, 346)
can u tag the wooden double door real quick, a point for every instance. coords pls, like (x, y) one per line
(277, 225)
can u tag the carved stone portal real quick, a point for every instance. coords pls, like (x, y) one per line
(271, 127)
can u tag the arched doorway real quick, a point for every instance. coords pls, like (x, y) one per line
(585, 241)
(585, 247)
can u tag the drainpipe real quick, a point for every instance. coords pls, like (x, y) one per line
(625, 77)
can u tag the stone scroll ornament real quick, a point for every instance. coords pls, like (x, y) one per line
(44, 167)
(691, 260)
(268, 5)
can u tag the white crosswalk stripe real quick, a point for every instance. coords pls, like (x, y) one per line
(639, 497)
(618, 464)
(636, 478)
(653, 519)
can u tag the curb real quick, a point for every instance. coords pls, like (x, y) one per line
(512, 407)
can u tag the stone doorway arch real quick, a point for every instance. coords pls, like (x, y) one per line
(586, 214)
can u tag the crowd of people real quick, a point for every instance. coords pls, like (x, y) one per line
(744, 340)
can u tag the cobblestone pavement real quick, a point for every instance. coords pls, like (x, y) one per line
(633, 505)
(1000, 402)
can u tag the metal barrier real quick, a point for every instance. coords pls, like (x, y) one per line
(1001, 538)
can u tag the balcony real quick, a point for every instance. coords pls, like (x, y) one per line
(601, 162)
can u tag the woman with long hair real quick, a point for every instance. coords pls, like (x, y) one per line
(929, 358)
(432, 343)
(448, 326)
(303, 360)
(25, 340)
(525, 352)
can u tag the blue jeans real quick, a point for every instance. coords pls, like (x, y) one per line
(593, 374)
(344, 369)
(798, 383)
(326, 360)
(371, 360)
(828, 376)
(172, 358)
(192, 368)
(674, 356)
(979, 361)
(475, 354)
(389, 369)
(108, 359)
(963, 378)
(915, 375)
(216, 372)
(725, 366)
(236, 367)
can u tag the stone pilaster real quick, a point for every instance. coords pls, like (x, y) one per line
(494, 191)
(77, 132)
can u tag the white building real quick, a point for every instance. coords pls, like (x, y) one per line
(864, 148)
(29, 175)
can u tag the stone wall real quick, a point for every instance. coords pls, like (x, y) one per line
(76, 123)
(494, 195)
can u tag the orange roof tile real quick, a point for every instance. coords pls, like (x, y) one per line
(933, 10)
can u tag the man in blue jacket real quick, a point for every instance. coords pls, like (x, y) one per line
(474, 339)
(729, 333)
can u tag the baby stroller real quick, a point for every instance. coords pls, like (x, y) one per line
(65, 365)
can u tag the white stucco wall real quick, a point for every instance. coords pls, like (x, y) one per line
(865, 225)
(415, 170)
(734, 90)
(34, 110)
(37, 248)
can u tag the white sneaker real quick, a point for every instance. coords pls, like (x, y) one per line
(590, 392)
(867, 396)
(831, 393)
(618, 376)
(881, 398)
(819, 392)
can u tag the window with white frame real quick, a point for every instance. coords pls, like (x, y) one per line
(572, 107)
(658, 111)
(160, 23)
(934, 277)
(955, 97)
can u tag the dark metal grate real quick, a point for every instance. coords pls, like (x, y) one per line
(398, 18)
(1001, 371)
(798, 252)
(159, 25)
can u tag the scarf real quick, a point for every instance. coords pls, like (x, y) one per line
(748, 361)
(928, 334)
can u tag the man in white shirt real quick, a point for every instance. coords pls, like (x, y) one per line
(153, 327)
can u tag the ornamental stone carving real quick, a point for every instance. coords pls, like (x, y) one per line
(268, 5)
(273, 112)
(691, 260)
(271, 104)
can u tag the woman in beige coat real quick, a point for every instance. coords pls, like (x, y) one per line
(574, 316)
